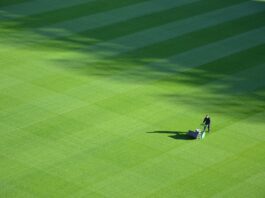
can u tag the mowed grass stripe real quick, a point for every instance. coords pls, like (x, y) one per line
(85, 41)
(35, 7)
(71, 12)
(11, 2)
(35, 149)
(198, 38)
(23, 116)
(213, 51)
(138, 181)
(250, 187)
(236, 176)
(235, 98)
(254, 161)
(29, 143)
(218, 69)
(34, 100)
(171, 30)
(154, 19)
(26, 149)
(203, 31)
(207, 54)
(24, 182)
(163, 50)
(51, 130)
(244, 82)
(47, 173)
(113, 16)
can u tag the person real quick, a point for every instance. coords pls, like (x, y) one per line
(207, 123)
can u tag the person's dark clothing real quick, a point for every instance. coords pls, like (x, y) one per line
(207, 123)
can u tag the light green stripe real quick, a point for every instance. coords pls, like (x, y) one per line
(36, 7)
(171, 30)
(110, 17)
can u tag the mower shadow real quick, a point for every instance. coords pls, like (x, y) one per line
(178, 135)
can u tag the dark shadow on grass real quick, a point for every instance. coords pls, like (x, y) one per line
(215, 87)
(178, 135)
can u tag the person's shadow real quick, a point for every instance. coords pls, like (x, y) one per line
(175, 134)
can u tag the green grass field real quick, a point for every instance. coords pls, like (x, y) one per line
(96, 97)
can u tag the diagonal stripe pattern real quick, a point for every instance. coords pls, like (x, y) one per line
(109, 118)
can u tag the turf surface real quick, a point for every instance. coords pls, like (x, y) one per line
(96, 97)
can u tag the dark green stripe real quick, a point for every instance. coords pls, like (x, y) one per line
(123, 28)
(163, 50)
(156, 19)
(199, 38)
(69, 13)
(11, 2)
